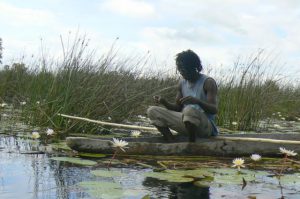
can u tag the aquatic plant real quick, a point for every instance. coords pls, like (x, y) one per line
(119, 144)
(135, 133)
(238, 163)
(287, 152)
(35, 135)
(255, 157)
(50, 132)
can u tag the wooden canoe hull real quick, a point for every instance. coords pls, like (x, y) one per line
(225, 145)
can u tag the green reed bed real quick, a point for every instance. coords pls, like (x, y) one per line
(117, 89)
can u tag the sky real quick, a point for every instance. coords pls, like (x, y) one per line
(219, 31)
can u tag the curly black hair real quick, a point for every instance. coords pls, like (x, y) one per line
(188, 60)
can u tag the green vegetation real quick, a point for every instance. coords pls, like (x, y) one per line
(114, 89)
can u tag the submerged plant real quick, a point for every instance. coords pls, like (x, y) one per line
(238, 163)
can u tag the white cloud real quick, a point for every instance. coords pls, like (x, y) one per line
(131, 8)
(24, 17)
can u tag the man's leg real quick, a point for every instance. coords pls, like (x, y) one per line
(164, 120)
(165, 131)
(196, 123)
(192, 129)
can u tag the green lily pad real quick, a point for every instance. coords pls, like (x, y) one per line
(290, 179)
(231, 176)
(75, 161)
(106, 173)
(108, 190)
(60, 146)
(204, 177)
(169, 176)
(92, 155)
(103, 190)
(206, 182)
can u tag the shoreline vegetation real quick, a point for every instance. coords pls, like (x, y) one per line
(119, 90)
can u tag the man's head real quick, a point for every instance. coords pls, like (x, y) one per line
(189, 65)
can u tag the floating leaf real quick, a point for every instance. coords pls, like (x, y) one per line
(106, 173)
(75, 161)
(60, 146)
(92, 155)
(103, 190)
(108, 190)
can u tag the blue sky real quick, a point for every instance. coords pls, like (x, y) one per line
(218, 30)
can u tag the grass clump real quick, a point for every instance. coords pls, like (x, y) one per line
(117, 89)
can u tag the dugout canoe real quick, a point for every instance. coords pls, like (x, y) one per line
(265, 144)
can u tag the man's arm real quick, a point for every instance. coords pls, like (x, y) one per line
(177, 106)
(211, 90)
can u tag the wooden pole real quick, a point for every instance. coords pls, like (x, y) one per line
(124, 126)
(264, 140)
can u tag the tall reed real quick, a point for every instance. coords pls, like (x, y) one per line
(118, 89)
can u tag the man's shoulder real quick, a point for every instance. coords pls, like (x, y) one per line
(209, 82)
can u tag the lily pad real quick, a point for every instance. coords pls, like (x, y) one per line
(290, 179)
(168, 177)
(60, 146)
(231, 176)
(75, 161)
(92, 155)
(109, 190)
(106, 173)
(204, 177)
(103, 190)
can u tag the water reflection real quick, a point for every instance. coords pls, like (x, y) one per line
(36, 176)
(175, 190)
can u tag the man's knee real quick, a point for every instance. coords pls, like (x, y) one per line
(152, 111)
(188, 111)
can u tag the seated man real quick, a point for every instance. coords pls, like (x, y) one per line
(195, 108)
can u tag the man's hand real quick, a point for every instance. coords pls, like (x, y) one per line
(188, 100)
(158, 99)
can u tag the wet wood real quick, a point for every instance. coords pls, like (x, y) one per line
(217, 146)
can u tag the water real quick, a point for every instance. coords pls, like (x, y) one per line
(37, 176)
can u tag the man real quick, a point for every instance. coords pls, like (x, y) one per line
(195, 108)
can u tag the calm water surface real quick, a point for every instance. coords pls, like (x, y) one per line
(36, 176)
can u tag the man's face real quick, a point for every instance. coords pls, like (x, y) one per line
(190, 75)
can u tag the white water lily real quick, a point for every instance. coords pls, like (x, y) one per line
(121, 144)
(50, 132)
(238, 162)
(3, 105)
(255, 157)
(234, 123)
(277, 126)
(287, 152)
(135, 133)
(35, 135)
(283, 118)
(22, 103)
